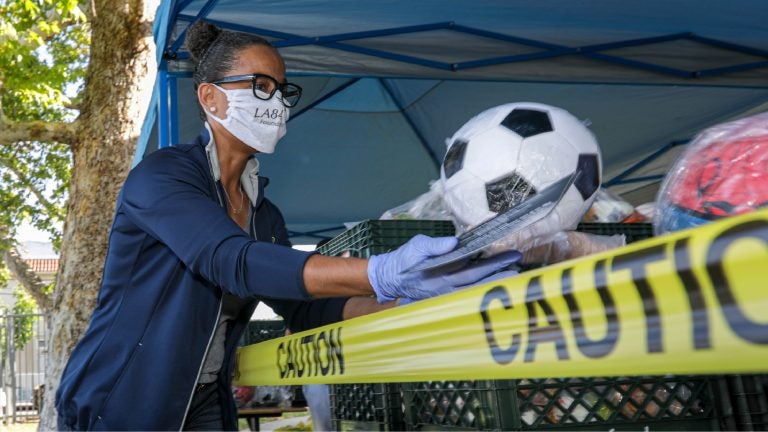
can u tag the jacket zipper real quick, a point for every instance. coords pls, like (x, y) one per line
(215, 324)
(200, 369)
(253, 223)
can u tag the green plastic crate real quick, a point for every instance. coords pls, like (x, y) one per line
(373, 237)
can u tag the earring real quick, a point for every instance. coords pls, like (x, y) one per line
(212, 109)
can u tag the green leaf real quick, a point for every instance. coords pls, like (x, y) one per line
(43, 56)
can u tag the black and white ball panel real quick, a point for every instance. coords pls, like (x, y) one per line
(527, 122)
(507, 192)
(588, 180)
(454, 158)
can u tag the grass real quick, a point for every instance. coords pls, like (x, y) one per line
(30, 426)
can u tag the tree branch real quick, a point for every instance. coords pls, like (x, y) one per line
(13, 132)
(44, 35)
(63, 25)
(23, 274)
(27, 278)
(72, 106)
(50, 208)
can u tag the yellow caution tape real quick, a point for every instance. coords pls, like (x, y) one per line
(687, 303)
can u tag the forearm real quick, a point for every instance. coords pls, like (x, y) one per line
(359, 306)
(336, 277)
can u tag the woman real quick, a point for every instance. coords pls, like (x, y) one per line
(195, 245)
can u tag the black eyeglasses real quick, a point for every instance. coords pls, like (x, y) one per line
(264, 87)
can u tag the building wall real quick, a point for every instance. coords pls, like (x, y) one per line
(22, 376)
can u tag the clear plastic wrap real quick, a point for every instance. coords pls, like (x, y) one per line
(537, 247)
(510, 153)
(427, 206)
(722, 172)
(608, 208)
(565, 245)
(505, 156)
(646, 210)
(263, 396)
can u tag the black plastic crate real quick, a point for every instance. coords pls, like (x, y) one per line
(632, 231)
(374, 407)
(262, 330)
(457, 405)
(381, 406)
(666, 403)
(373, 236)
(746, 405)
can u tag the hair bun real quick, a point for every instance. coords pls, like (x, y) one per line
(200, 37)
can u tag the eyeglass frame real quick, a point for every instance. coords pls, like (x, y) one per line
(253, 77)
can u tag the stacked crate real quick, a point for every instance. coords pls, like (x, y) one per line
(374, 406)
(667, 403)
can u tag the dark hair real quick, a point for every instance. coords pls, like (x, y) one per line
(214, 51)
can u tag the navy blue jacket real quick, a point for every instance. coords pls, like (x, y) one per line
(173, 251)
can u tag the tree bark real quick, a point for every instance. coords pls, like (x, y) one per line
(119, 82)
(35, 131)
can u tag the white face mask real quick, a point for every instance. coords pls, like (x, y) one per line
(258, 123)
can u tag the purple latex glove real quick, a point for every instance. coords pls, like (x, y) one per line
(385, 272)
(491, 278)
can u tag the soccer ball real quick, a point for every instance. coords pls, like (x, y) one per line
(509, 153)
(723, 172)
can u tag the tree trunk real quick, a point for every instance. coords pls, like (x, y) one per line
(119, 82)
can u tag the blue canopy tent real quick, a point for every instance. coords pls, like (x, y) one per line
(386, 82)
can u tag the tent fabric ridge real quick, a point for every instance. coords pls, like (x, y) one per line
(423, 95)
(436, 160)
(549, 50)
